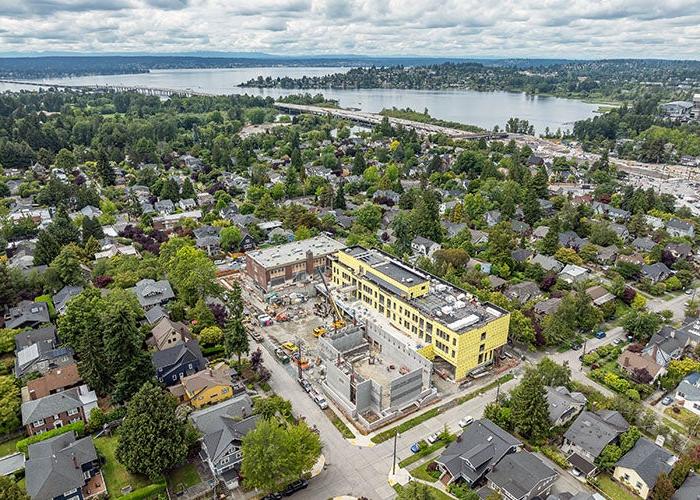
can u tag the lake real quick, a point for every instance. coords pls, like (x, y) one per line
(484, 109)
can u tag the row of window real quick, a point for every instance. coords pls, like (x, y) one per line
(41, 421)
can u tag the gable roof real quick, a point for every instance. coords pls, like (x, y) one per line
(648, 460)
(481, 445)
(45, 334)
(594, 431)
(174, 356)
(53, 404)
(518, 473)
(53, 380)
(165, 327)
(27, 312)
(224, 423)
(690, 489)
(51, 469)
(561, 401)
(150, 292)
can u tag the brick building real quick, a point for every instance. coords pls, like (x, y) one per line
(291, 262)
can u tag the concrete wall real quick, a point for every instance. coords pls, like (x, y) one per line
(396, 349)
(363, 396)
(338, 381)
(347, 340)
(406, 388)
(376, 396)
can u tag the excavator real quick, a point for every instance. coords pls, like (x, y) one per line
(339, 322)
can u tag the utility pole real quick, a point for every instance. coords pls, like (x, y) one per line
(393, 467)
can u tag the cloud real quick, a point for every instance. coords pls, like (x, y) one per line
(507, 28)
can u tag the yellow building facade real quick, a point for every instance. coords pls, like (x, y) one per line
(448, 321)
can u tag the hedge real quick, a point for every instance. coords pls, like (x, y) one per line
(23, 445)
(149, 491)
(214, 350)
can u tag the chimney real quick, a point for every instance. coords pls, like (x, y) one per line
(75, 462)
(626, 361)
(32, 394)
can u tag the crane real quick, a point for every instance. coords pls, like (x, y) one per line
(339, 322)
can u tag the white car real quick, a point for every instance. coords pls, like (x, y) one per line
(433, 437)
(320, 401)
(465, 421)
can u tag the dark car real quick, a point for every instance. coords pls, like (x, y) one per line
(575, 346)
(294, 487)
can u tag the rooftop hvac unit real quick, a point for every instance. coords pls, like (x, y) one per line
(460, 305)
(461, 296)
(441, 287)
(450, 299)
(446, 310)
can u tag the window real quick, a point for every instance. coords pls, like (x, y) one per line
(483, 336)
(73, 411)
(38, 423)
(639, 485)
(482, 347)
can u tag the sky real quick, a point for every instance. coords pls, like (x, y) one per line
(587, 29)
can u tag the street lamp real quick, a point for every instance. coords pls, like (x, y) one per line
(393, 467)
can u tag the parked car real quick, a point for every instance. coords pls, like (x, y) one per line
(433, 438)
(465, 421)
(305, 384)
(617, 341)
(575, 346)
(320, 401)
(689, 291)
(290, 346)
(281, 355)
(256, 336)
(415, 447)
(600, 335)
(297, 485)
(667, 401)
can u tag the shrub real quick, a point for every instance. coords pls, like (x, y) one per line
(23, 444)
(150, 491)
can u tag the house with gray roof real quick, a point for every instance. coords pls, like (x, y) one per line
(656, 272)
(65, 468)
(476, 452)
(688, 393)
(589, 434)
(492, 217)
(549, 306)
(570, 239)
(666, 345)
(607, 255)
(151, 293)
(38, 351)
(639, 468)
(175, 362)
(223, 427)
(681, 228)
(523, 292)
(27, 314)
(478, 237)
(540, 232)
(164, 207)
(155, 314)
(521, 476)
(643, 244)
(424, 246)
(63, 296)
(59, 409)
(547, 263)
(690, 489)
(563, 405)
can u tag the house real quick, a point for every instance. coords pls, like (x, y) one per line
(479, 449)
(205, 199)
(688, 393)
(164, 207)
(547, 263)
(27, 315)
(523, 292)
(679, 250)
(540, 233)
(187, 204)
(478, 237)
(210, 244)
(175, 362)
(52, 382)
(564, 405)
(618, 214)
(206, 387)
(643, 244)
(634, 259)
(496, 282)
(38, 351)
(589, 434)
(492, 217)
(606, 256)
(666, 345)
(639, 468)
(448, 206)
(656, 272)
(168, 333)
(168, 222)
(635, 363)
(386, 197)
(519, 227)
(424, 246)
(454, 228)
(574, 274)
(570, 239)
(61, 299)
(689, 489)
(548, 306)
(155, 314)
(90, 212)
(521, 476)
(654, 222)
(599, 295)
(247, 241)
(59, 409)
(152, 293)
(680, 228)
(64, 468)
(223, 427)
(521, 254)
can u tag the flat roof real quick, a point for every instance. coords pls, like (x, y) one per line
(291, 253)
(450, 306)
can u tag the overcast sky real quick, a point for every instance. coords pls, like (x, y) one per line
(518, 28)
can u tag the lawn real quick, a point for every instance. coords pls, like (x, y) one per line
(437, 494)
(185, 475)
(9, 447)
(421, 472)
(613, 490)
(115, 474)
(339, 424)
(425, 450)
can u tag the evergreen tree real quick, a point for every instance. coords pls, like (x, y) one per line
(550, 243)
(46, 249)
(151, 438)
(104, 169)
(67, 265)
(663, 489)
(539, 182)
(358, 163)
(531, 208)
(10, 490)
(91, 228)
(170, 191)
(63, 229)
(339, 201)
(425, 216)
(235, 337)
(187, 189)
(530, 409)
(266, 208)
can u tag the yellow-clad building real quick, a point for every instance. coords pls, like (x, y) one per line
(450, 323)
(206, 387)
